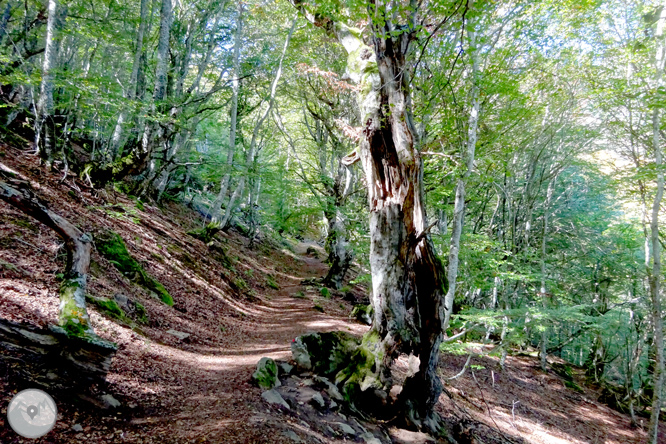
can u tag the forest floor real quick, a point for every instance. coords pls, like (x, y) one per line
(198, 389)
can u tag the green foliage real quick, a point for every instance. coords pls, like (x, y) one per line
(240, 283)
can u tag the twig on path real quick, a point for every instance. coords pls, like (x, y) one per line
(30, 245)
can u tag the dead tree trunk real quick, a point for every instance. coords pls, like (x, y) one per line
(407, 278)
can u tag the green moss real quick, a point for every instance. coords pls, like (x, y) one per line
(363, 313)
(74, 328)
(270, 281)
(266, 375)
(108, 306)
(206, 233)
(361, 374)
(111, 246)
(141, 314)
(325, 292)
(240, 283)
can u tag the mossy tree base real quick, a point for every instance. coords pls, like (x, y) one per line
(352, 364)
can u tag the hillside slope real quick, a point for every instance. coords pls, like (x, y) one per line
(237, 305)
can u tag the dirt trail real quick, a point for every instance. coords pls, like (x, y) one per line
(205, 394)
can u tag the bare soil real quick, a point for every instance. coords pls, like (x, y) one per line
(198, 389)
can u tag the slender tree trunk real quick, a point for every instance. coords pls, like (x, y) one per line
(235, 85)
(459, 206)
(255, 134)
(44, 125)
(543, 354)
(153, 130)
(4, 20)
(655, 276)
(117, 137)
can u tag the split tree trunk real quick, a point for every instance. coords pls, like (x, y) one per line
(407, 278)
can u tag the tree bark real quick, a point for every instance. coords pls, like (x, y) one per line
(459, 206)
(543, 353)
(153, 129)
(235, 86)
(117, 137)
(73, 315)
(252, 150)
(337, 246)
(44, 126)
(407, 278)
(655, 275)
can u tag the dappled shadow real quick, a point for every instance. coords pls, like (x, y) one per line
(524, 401)
(172, 390)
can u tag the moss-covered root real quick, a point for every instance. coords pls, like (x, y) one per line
(361, 380)
(111, 246)
(73, 316)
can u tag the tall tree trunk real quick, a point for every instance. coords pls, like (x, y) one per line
(153, 130)
(44, 125)
(337, 246)
(407, 278)
(655, 276)
(543, 354)
(235, 85)
(469, 149)
(251, 152)
(117, 137)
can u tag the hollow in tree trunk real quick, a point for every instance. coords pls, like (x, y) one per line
(408, 282)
